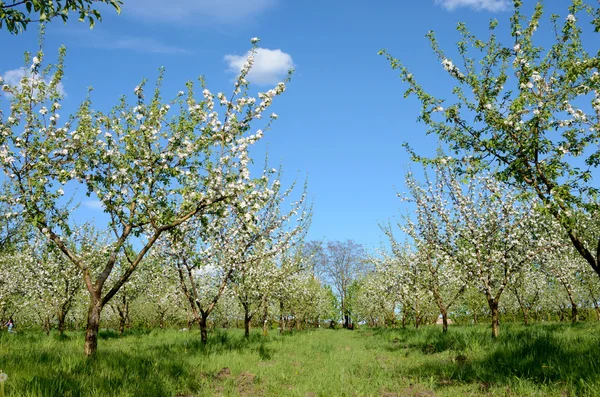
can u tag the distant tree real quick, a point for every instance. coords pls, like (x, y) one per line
(340, 264)
(17, 14)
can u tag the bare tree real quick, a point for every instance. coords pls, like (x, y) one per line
(340, 263)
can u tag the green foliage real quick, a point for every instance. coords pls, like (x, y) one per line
(16, 14)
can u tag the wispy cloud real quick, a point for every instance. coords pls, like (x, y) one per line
(93, 204)
(13, 77)
(140, 44)
(270, 66)
(201, 12)
(115, 41)
(487, 5)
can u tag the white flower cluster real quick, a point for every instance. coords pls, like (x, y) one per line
(451, 68)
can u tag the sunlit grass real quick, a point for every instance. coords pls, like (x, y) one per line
(542, 360)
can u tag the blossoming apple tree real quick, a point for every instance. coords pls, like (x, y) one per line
(152, 165)
(529, 112)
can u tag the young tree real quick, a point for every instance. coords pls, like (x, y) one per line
(150, 169)
(533, 113)
(490, 231)
(434, 238)
(235, 245)
(53, 284)
(526, 289)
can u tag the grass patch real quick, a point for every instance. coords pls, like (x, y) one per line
(540, 360)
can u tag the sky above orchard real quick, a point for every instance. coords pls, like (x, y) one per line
(343, 119)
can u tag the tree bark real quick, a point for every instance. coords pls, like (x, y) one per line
(47, 325)
(247, 318)
(495, 317)
(265, 319)
(93, 324)
(203, 328)
(417, 314)
(525, 315)
(281, 318)
(574, 313)
(444, 321)
(61, 316)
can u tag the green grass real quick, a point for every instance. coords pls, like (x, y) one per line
(540, 360)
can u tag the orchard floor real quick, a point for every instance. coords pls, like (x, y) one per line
(540, 360)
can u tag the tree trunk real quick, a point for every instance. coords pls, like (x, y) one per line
(525, 315)
(561, 314)
(403, 318)
(47, 325)
(444, 321)
(522, 307)
(93, 324)
(417, 314)
(495, 317)
(574, 313)
(60, 316)
(265, 319)
(247, 318)
(203, 328)
(161, 319)
(121, 325)
(281, 319)
(597, 308)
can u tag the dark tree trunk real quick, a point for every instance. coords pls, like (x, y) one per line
(61, 316)
(47, 325)
(574, 313)
(495, 318)
(525, 313)
(203, 328)
(247, 318)
(281, 318)
(444, 321)
(121, 325)
(93, 324)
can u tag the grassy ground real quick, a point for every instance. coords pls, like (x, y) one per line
(540, 360)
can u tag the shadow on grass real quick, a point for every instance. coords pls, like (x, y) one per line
(552, 354)
(124, 365)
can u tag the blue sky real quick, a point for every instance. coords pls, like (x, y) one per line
(343, 119)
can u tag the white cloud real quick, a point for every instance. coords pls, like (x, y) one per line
(270, 66)
(201, 12)
(488, 5)
(93, 204)
(13, 77)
